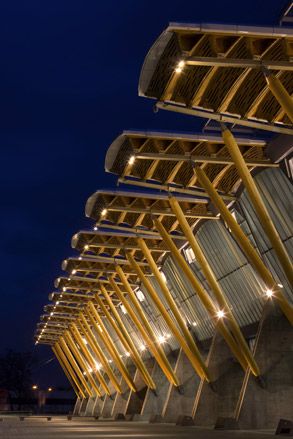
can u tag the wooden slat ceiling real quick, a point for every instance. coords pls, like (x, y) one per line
(240, 91)
(179, 174)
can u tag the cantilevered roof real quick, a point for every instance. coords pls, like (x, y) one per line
(220, 69)
(134, 211)
(166, 161)
(115, 243)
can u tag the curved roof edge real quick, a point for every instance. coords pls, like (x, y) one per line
(114, 148)
(153, 55)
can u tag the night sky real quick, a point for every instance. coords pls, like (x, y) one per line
(69, 76)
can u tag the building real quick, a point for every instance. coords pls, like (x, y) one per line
(179, 301)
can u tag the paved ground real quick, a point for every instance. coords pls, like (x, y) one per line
(60, 428)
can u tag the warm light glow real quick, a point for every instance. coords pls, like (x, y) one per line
(64, 289)
(90, 370)
(35, 387)
(51, 313)
(178, 69)
(280, 286)
(84, 340)
(104, 212)
(84, 373)
(86, 247)
(131, 160)
(57, 303)
(163, 276)
(142, 347)
(50, 389)
(73, 272)
(181, 64)
(110, 361)
(95, 228)
(194, 324)
(127, 354)
(269, 293)
(98, 366)
(79, 258)
(161, 339)
(220, 314)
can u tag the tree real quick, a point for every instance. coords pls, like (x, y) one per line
(16, 372)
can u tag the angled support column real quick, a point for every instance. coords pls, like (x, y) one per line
(245, 245)
(195, 360)
(280, 93)
(75, 366)
(145, 328)
(203, 295)
(93, 343)
(69, 340)
(124, 336)
(67, 373)
(219, 294)
(94, 318)
(87, 355)
(258, 203)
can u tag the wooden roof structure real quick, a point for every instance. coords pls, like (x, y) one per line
(165, 161)
(186, 64)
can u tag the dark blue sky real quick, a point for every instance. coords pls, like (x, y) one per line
(68, 87)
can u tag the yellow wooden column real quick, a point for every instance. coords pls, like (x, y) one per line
(214, 284)
(258, 203)
(87, 355)
(194, 360)
(245, 245)
(146, 330)
(173, 306)
(280, 93)
(75, 367)
(206, 301)
(125, 338)
(69, 340)
(93, 343)
(102, 331)
(70, 378)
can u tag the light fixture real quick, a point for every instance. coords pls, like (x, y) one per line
(131, 160)
(80, 258)
(95, 228)
(220, 314)
(64, 289)
(98, 366)
(189, 254)
(110, 361)
(84, 340)
(35, 387)
(143, 347)
(180, 66)
(161, 339)
(51, 313)
(127, 354)
(194, 324)
(140, 295)
(269, 293)
(104, 212)
(73, 272)
(50, 389)
(57, 303)
(90, 370)
(84, 373)
(280, 286)
(86, 247)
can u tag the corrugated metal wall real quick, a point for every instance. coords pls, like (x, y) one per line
(240, 284)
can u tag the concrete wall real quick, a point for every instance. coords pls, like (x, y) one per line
(263, 405)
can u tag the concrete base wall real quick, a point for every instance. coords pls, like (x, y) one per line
(263, 405)
(181, 401)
